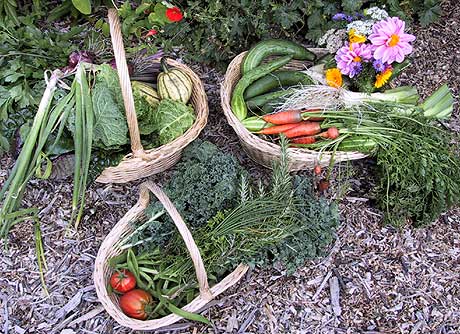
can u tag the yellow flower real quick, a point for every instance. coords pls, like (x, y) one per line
(353, 37)
(382, 78)
(334, 77)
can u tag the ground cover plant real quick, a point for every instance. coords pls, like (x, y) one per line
(216, 31)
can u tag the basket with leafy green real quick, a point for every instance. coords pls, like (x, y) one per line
(256, 225)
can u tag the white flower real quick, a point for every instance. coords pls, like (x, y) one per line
(335, 39)
(326, 35)
(376, 13)
(361, 27)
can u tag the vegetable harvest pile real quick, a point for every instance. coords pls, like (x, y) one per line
(88, 119)
(239, 223)
(418, 164)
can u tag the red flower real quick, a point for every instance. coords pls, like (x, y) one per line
(151, 32)
(174, 14)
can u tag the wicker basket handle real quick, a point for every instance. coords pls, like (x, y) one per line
(125, 83)
(201, 275)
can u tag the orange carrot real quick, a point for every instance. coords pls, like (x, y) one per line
(305, 128)
(331, 133)
(317, 170)
(306, 117)
(274, 130)
(284, 117)
(304, 140)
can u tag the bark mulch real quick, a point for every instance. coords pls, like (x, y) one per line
(376, 279)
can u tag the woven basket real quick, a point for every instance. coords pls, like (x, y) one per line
(141, 163)
(262, 151)
(110, 248)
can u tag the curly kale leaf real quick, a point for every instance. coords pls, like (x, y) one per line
(300, 242)
(204, 182)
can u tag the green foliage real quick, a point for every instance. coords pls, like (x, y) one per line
(172, 119)
(419, 179)
(284, 223)
(8, 10)
(217, 30)
(143, 16)
(110, 127)
(145, 112)
(25, 53)
(204, 182)
(83, 6)
(321, 218)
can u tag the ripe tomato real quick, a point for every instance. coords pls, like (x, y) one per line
(136, 303)
(123, 281)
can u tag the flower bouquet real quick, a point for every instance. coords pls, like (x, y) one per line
(369, 50)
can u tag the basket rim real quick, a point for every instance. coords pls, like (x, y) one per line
(255, 142)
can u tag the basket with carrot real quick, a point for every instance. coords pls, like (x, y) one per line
(343, 107)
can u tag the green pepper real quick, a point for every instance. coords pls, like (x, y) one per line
(238, 104)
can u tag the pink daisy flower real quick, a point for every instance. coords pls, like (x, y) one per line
(349, 57)
(390, 42)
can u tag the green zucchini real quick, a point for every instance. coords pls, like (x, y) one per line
(360, 144)
(274, 47)
(237, 103)
(276, 80)
(260, 100)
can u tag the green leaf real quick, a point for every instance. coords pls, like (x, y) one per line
(314, 20)
(83, 6)
(155, 18)
(430, 15)
(142, 7)
(125, 10)
(110, 127)
(4, 145)
(173, 118)
(352, 6)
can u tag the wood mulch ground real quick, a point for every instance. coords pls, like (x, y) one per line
(376, 279)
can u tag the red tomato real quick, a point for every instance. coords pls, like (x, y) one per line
(135, 302)
(123, 281)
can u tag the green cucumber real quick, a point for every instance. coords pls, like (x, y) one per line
(260, 100)
(276, 80)
(270, 106)
(255, 123)
(360, 144)
(237, 103)
(274, 47)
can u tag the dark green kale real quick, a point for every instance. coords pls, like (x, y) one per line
(300, 242)
(204, 182)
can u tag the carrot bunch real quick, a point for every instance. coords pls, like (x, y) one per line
(291, 123)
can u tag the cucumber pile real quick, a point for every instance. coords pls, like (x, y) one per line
(263, 84)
